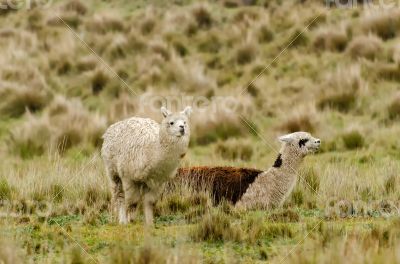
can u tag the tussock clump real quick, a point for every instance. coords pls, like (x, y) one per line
(75, 6)
(219, 126)
(118, 48)
(384, 24)
(369, 47)
(202, 15)
(246, 53)
(5, 190)
(310, 178)
(284, 215)
(17, 98)
(394, 108)
(87, 63)
(265, 33)
(105, 23)
(330, 39)
(342, 89)
(300, 121)
(234, 149)
(390, 183)
(8, 6)
(216, 227)
(298, 38)
(388, 71)
(353, 140)
(99, 80)
(193, 77)
(121, 108)
(63, 125)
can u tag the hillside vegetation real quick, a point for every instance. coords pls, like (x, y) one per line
(71, 68)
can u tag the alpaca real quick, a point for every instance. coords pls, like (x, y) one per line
(251, 188)
(140, 155)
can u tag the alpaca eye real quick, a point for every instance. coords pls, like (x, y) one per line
(171, 123)
(303, 142)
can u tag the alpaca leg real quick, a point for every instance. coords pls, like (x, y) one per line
(118, 195)
(148, 204)
(132, 197)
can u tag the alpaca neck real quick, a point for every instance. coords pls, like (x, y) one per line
(288, 160)
(172, 146)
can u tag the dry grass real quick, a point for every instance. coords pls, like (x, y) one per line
(63, 125)
(394, 108)
(330, 39)
(384, 24)
(342, 89)
(234, 149)
(369, 47)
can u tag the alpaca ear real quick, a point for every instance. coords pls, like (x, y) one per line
(187, 111)
(165, 112)
(286, 138)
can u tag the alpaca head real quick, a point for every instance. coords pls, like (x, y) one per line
(301, 142)
(176, 125)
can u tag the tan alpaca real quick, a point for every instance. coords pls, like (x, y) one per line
(252, 188)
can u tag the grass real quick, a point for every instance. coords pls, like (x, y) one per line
(338, 79)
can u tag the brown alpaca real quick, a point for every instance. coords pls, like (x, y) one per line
(223, 182)
(251, 188)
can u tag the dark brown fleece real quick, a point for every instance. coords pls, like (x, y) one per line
(223, 182)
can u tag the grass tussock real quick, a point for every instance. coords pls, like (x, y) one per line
(216, 226)
(384, 24)
(246, 53)
(76, 6)
(5, 190)
(105, 23)
(234, 150)
(301, 120)
(342, 89)
(353, 140)
(330, 40)
(202, 15)
(393, 109)
(369, 47)
(64, 124)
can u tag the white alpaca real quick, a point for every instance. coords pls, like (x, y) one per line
(140, 155)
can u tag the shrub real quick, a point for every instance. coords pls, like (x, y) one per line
(368, 47)
(353, 140)
(234, 149)
(394, 108)
(216, 227)
(384, 24)
(330, 39)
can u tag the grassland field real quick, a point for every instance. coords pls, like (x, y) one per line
(71, 68)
